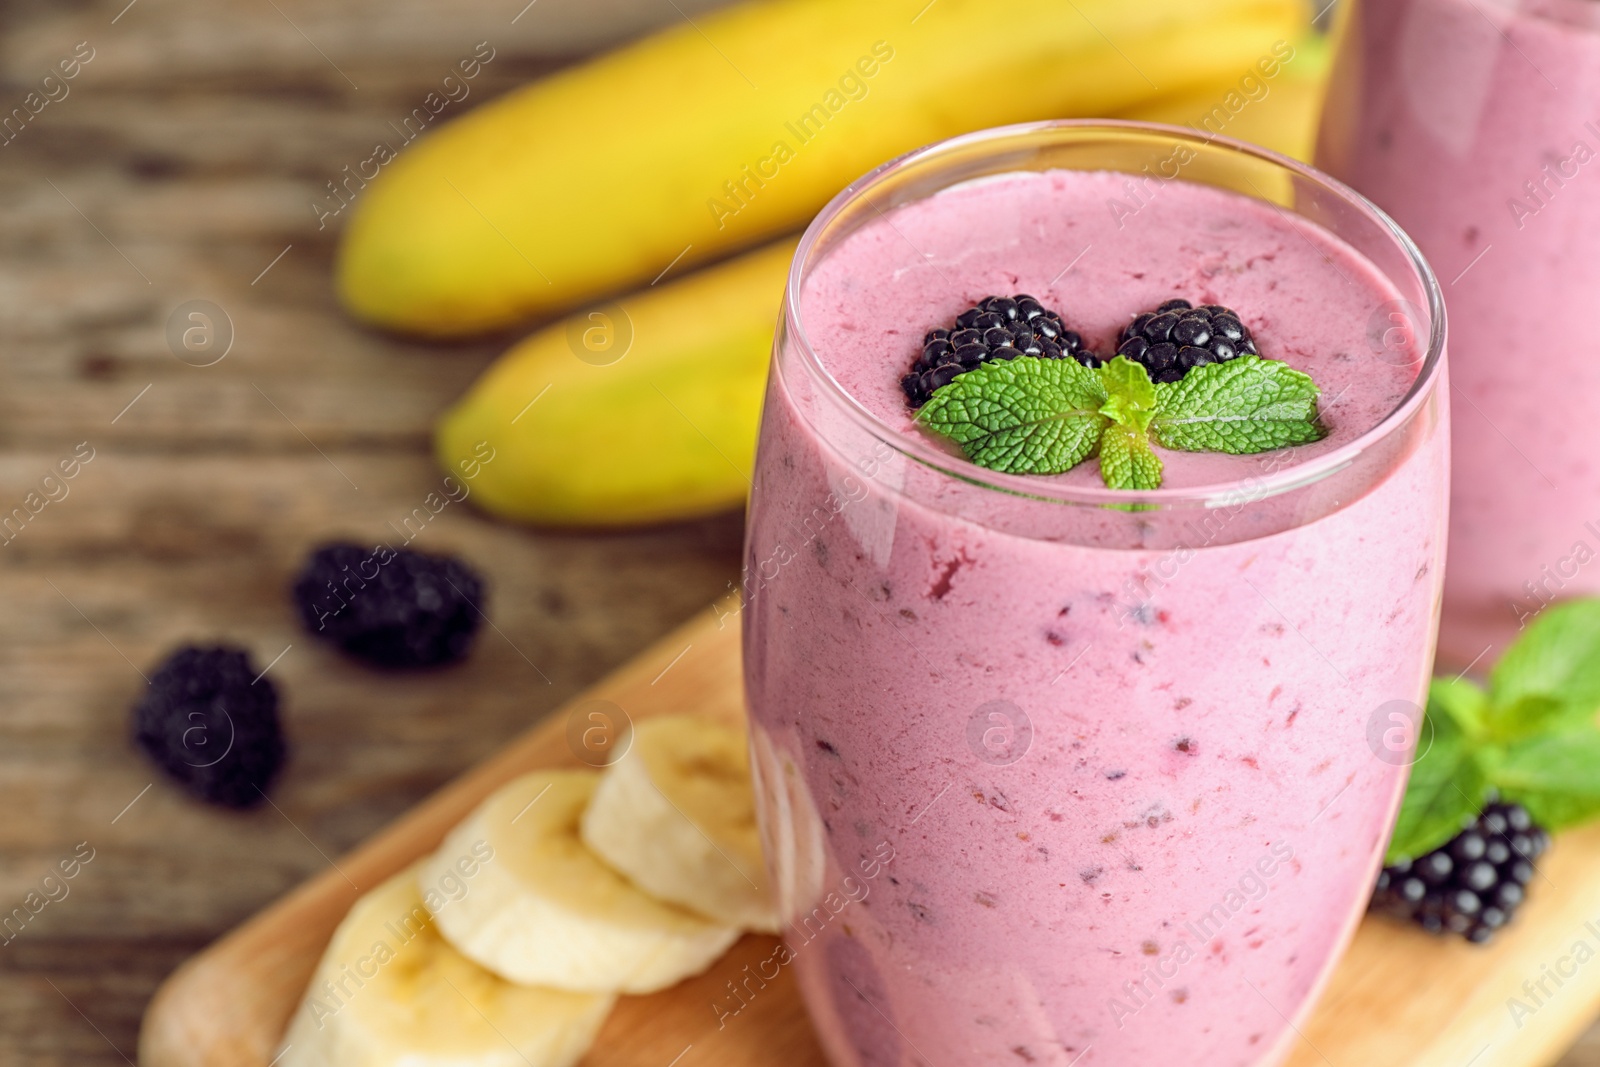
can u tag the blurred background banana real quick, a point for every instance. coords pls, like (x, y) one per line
(641, 411)
(1278, 112)
(632, 167)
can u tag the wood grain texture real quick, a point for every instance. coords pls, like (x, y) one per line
(1403, 997)
(230, 1004)
(1399, 999)
(181, 164)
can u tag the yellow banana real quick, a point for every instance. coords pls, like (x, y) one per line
(736, 127)
(1279, 111)
(638, 412)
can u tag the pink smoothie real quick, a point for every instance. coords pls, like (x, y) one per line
(1118, 761)
(1476, 124)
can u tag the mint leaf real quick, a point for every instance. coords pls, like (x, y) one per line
(1532, 736)
(1463, 701)
(1446, 791)
(1554, 776)
(1551, 672)
(1028, 415)
(1532, 716)
(1022, 416)
(1247, 404)
(1130, 397)
(1126, 461)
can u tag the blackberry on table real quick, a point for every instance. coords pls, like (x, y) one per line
(392, 608)
(997, 327)
(211, 722)
(1472, 884)
(1176, 337)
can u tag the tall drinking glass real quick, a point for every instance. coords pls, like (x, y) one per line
(1473, 122)
(1049, 772)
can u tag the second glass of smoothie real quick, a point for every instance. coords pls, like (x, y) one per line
(1473, 122)
(1051, 773)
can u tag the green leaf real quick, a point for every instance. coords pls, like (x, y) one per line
(1130, 397)
(1029, 415)
(1531, 716)
(1551, 674)
(1446, 791)
(1556, 776)
(1022, 416)
(1244, 405)
(1464, 701)
(1533, 736)
(1126, 461)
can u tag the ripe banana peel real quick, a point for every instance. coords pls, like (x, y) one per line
(726, 131)
(585, 436)
(1278, 112)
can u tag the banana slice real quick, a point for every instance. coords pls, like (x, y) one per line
(390, 992)
(676, 814)
(546, 911)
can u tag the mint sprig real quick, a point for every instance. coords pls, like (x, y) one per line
(1531, 736)
(1030, 415)
(1446, 791)
(1126, 461)
(1245, 405)
(1025, 416)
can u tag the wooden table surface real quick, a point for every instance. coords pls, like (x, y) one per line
(182, 165)
(182, 162)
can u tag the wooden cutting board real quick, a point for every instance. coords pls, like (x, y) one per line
(1399, 999)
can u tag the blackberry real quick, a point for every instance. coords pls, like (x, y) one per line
(1177, 336)
(997, 327)
(211, 723)
(1470, 885)
(391, 608)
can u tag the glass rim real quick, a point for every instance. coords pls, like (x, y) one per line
(1258, 486)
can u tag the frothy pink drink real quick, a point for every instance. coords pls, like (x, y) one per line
(1044, 781)
(1474, 123)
